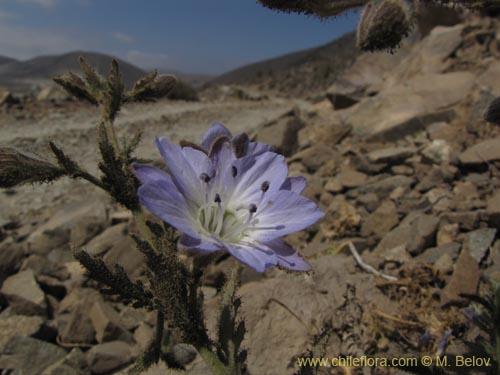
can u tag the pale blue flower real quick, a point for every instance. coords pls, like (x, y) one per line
(229, 194)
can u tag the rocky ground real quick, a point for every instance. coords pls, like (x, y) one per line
(396, 153)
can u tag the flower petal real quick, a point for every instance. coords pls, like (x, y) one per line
(199, 244)
(294, 184)
(185, 172)
(259, 257)
(287, 256)
(147, 173)
(164, 200)
(268, 167)
(286, 212)
(215, 131)
(257, 148)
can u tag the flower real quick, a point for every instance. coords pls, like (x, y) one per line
(229, 193)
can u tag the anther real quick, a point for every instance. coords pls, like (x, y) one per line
(205, 177)
(234, 171)
(217, 198)
(252, 208)
(265, 186)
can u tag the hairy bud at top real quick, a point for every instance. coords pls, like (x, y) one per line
(152, 86)
(75, 86)
(383, 24)
(17, 168)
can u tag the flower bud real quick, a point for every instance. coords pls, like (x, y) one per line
(17, 168)
(75, 86)
(153, 86)
(383, 24)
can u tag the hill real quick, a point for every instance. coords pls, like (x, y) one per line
(21, 73)
(297, 72)
(6, 60)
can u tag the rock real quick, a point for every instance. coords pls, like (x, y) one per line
(333, 185)
(143, 336)
(370, 201)
(386, 186)
(184, 354)
(438, 151)
(40, 265)
(442, 131)
(381, 221)
(315, 156)
(79, 329)
(341, 218)
(126, 254)
(409, 106)
(119, 217)
(52, 93)
(429, 55)
(29, 356)
(466, 196)
(104, 241)
(76, 223)
(107, 324)
(77, 297)
(467, 220)
(488, 79)
(444, 265)
(131, 317)
(351, 178)
(493, 209)
(391, 155)
(482, 152)
(74, 363)
(11, 255)
(402, 170)
(397, 254)
(325, 129)
(340, 101)
(6, 97)
(281, 133)
(478, 242)
(465, 279)
(109, 357)
(447, 233)
(24, 295)
(432, 254)
(18, 325)
(267, 321)
(416, 232)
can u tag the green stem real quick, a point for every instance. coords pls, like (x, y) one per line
(213, 362)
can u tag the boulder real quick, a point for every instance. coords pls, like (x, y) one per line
(109, 357)
(409, 106)
(76, 223)
(29, 356)
(416, 232)
(482, 152)
(281, 133)
(107, 323)
(391, 155)
(18, 325)
(24, 294)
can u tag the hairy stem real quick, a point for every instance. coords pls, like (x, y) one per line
(160, 324)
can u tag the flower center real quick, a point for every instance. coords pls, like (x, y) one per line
(223, 223)
(231, 225)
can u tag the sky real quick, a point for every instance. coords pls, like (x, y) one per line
(193, 36)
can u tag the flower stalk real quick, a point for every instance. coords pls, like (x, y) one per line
(225, 194)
